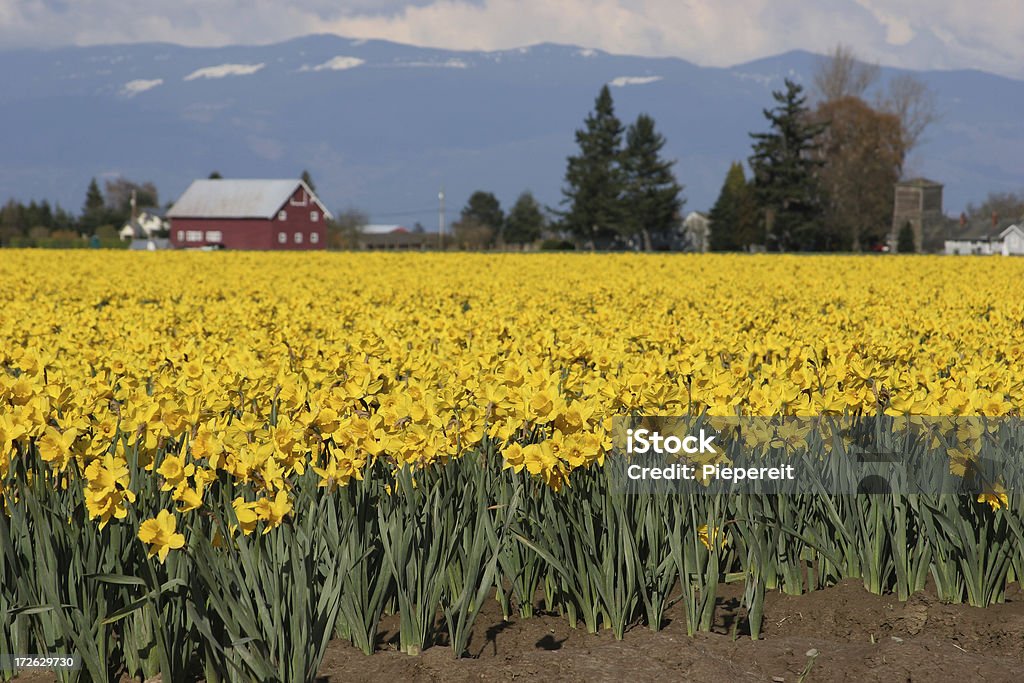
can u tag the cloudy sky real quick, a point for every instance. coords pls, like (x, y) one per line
(982, 34)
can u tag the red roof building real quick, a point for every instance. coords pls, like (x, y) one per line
(249, 214)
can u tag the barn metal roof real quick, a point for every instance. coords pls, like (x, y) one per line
(379, 229)
(222, 198)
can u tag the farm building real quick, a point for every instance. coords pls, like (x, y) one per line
(918, 202)
(148, 223)
(394, 237)
(986, 239)
(697, 232)
(249, 214)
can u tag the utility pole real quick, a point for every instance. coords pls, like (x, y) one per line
(132, 221)
(440, 219)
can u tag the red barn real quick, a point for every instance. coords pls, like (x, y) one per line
(249, 214)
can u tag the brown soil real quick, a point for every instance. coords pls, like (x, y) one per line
(857, 637)
(839, 634)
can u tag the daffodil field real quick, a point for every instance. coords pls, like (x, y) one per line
(211, 464)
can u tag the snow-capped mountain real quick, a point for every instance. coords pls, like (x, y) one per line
(383, 126)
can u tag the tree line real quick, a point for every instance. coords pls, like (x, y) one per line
(103, 214)
(823, 178)
(619, 192)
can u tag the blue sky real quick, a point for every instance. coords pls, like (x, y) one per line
(946, 34)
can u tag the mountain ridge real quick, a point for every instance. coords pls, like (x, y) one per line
(382, 126)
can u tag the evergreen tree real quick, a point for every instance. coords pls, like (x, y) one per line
(525, 221)
(94, 209)
(215, 175)
(308, 179)
(593, 179)
(63, 219)
(784, 174)
(652, 195)
(93, 198)
(905, 239)
(485, 209)
(480, 222)
(734, 219)
(11, 222)
(38, 214)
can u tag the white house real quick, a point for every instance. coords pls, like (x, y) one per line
(697, 232)
(978, 246)
(986, 241)
(1013, 240)
(144, 226)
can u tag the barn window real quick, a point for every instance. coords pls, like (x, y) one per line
(214, 236)
(300, 200)
(282, 238)
(314, 216)
(193, 235)
(282, 215)
(298, 238)
(181, 235)
(314, 237)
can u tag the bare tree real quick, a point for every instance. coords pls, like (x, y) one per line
(345, 230)
(118, 192)
(471, 233)
(1008, 205)
(913, 102)
(841, 74)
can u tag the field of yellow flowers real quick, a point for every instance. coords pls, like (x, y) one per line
(206, 458)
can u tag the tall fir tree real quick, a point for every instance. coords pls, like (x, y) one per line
(734, 220)
(525, 221)
(905, 242)
(93, 198)
(484, 208)
(94, 209)
(652, 195)
(594, 180)
(784, 174)
(481, 221)
(308, 179)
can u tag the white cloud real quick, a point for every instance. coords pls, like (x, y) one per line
(338, 63)
(720, 32)
(132, 88)
(222, 70)
(898, 28)
(623, 81)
